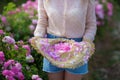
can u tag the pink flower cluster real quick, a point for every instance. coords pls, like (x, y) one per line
(3, 19)
(29, 57)
(56, 50)
(8, 39)
(16, 47)
(15, 11)
(30, 6)
(36, 77)
(1, 32)
(27, 47)
(2, 57)
(12, 70)
(101, 12)
(62, 47)
(31, 10)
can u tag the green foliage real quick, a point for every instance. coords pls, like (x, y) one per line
(39, 63)
(5, 2)
(9, 7)
(19, 23)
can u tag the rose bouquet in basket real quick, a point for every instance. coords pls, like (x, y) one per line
(62, 52)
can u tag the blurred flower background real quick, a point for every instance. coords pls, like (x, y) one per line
(19, 61)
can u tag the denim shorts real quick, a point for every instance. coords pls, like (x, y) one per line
(48, 67)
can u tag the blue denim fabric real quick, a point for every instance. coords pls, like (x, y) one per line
(48, 67)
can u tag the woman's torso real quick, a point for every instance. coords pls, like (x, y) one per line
(66, 17)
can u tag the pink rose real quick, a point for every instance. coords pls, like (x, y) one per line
(1, 32)
(34, 21)
(8, 39)
(29, 58)
(100, 11)
(20, 76)
(27, 47)
(62, 47)
(110, 9)
(16, 47)
(36, 77)
(8, 63)
(7, 73)
(31, 27)
(2, 57)
(18, 65)
(3, 19)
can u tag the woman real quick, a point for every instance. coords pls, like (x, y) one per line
(72, 19)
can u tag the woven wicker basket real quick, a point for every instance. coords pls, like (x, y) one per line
(78, 55)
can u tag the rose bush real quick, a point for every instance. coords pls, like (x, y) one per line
(16, 59)
(104, 11)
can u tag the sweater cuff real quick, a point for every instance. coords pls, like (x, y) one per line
(87, 39)
(40, 35)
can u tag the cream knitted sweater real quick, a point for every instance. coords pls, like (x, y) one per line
(67, 18)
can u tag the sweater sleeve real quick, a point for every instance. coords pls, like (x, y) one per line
(90, 30)
(42, 23)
